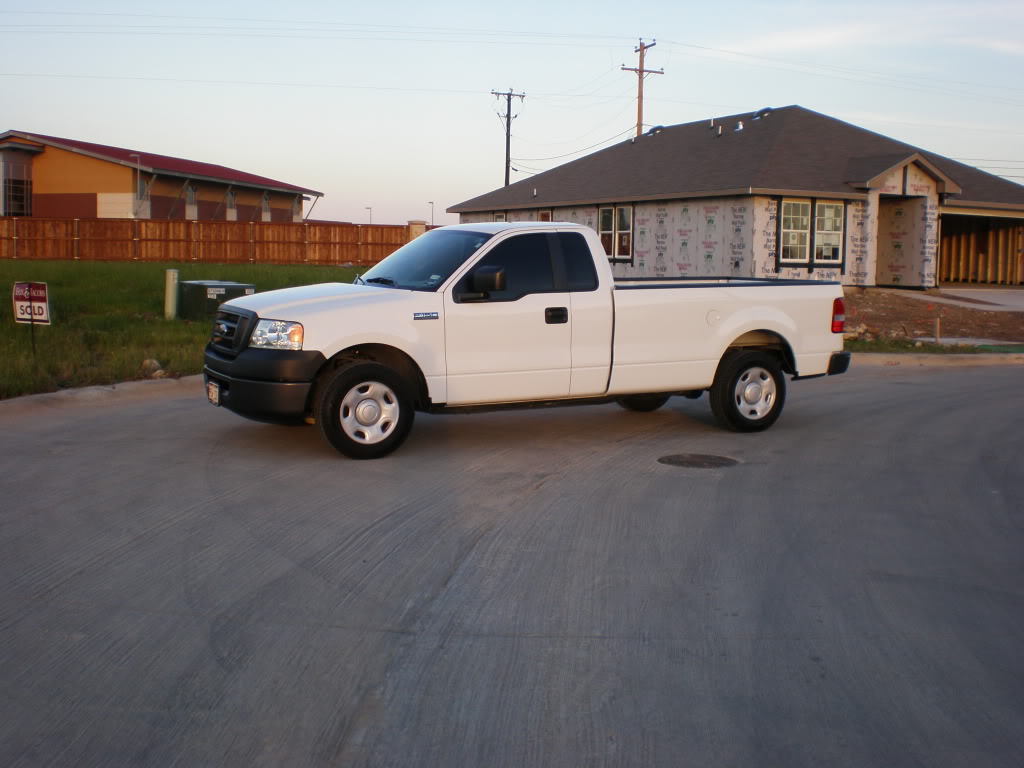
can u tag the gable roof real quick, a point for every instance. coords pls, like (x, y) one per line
(162, 164)
(789, 150)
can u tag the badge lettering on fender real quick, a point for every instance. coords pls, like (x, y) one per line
(424, 315)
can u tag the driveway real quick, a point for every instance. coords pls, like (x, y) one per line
(183, 587)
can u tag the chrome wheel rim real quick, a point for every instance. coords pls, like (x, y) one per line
(369, 412)
(755, 392)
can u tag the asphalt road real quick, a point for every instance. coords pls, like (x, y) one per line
(180, 587)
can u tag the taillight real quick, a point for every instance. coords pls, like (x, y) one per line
(838, 316)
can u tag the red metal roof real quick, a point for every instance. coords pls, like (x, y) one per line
(176, 166)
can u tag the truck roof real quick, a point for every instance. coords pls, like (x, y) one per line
(493, 227)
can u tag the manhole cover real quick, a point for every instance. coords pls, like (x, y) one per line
(697, 461)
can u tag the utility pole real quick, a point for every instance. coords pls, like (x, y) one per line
(508, 126)
(640, 72)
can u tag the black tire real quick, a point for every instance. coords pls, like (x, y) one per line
(642, 403)
(749, 391)
(368, 399)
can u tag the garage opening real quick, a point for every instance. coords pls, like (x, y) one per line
(981, 249)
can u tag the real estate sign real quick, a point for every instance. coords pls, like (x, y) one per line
(31, 303)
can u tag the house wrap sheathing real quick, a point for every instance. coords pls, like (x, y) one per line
(891, 240)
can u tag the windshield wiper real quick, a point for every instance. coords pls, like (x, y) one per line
(381, 280)
(359, 279)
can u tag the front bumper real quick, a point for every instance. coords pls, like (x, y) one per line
(264, 384)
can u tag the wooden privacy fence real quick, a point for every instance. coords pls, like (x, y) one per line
(208, 241)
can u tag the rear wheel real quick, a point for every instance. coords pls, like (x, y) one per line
(749, 391)
(642, 403)
(363, 410)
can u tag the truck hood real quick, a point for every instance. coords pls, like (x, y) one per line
(293, 303)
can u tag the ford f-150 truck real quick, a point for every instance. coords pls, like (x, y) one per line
(483, 316)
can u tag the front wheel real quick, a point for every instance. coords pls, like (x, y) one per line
(363, 410)
(749, 391)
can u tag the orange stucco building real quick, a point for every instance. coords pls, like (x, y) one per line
(47, 176)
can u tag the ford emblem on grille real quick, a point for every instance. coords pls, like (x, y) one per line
(221, 329)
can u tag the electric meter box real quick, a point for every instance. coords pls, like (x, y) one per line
(199, 299)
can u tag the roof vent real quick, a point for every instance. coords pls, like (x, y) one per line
(719, 131)
(656, 129)
(763, 112)
(712, 123)
(739, 126)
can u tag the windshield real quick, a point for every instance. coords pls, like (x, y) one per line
(427, 261)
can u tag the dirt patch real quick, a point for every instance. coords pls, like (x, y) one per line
(889, 314)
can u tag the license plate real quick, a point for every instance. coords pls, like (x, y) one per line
(213, 392)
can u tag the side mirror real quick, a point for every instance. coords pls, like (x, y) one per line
(488, 279)
(483, 282)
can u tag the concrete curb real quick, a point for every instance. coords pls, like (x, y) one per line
(921, 359)
(104, 393)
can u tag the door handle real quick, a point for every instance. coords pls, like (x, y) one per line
(556, 315)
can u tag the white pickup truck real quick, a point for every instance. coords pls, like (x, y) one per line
(484, 316)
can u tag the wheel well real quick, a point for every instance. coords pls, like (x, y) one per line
(393, 358)
(768, 340)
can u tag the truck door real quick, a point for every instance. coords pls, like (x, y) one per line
(592, 312)
(514, 344)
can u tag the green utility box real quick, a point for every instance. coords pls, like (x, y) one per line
(199, 299)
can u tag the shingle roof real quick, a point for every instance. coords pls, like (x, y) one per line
(789, 149)
(175, 166)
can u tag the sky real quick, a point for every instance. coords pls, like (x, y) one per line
(387, 108)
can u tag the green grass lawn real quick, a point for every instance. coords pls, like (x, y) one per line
(108, 317)
(909, 345)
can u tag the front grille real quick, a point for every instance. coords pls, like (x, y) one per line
(230, 332)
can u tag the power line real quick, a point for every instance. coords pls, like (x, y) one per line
(321, 23)
(920, 88)
(197, 81)
(988, 160)
(274, 34)
(888, 75)
(567, 154)
(594, 129)
(401, 29)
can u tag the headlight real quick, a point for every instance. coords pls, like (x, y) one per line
(277, 334)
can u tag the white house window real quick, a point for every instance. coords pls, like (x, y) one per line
(828, 232)
(265, 208)
(615, 227)
(190, 195)
(297, 209)
(499, 217)
(796, 231)
(230, 206)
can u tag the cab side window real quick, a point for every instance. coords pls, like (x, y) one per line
(580, 274)
(527, 263)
